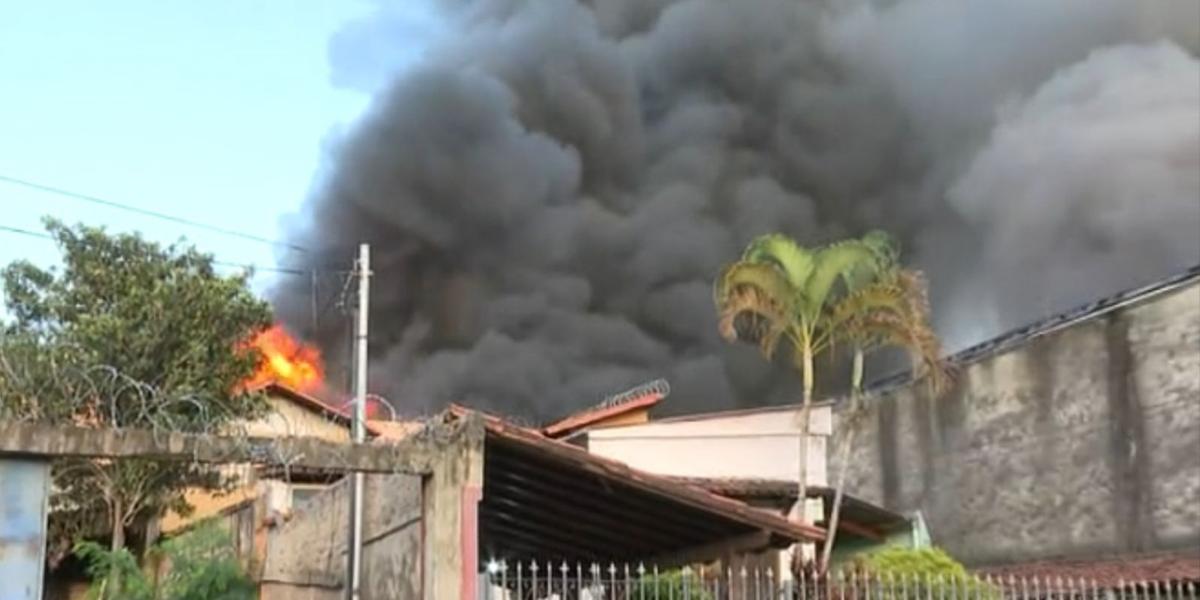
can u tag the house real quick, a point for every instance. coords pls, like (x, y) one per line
(751, 455)
(290, 413)
(539, 500)
(727, 444)
(260, 497)
(1074, 440)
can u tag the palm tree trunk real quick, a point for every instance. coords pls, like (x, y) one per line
(847, 442)
(805, 418)
(798, 509)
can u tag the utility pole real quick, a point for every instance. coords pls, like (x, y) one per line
(359, 420)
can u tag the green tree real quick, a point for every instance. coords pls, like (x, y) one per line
(780, 291)
(890, 309)
(128, 334)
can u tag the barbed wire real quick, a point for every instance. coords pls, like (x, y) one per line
(45, 388)
(257, 443)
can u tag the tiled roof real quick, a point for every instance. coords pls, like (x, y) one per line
(744, 487)
(749, 488)
(312, 403)
(1111, 572)
(643, 396)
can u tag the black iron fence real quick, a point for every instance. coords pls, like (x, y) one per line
(551, 580)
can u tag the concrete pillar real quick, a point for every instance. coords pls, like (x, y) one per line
(451, 494)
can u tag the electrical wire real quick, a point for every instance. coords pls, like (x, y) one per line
(223, 263)
(25, 232)
(146, 212)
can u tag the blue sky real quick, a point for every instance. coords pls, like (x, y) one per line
(214, 111)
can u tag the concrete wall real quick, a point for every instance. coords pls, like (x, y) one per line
(762, 443)
(1083, 442)
(306, 557)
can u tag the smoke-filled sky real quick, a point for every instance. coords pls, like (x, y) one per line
(551, 189)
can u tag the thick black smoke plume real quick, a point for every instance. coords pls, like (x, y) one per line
(551, 190)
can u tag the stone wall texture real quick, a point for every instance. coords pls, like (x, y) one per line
(1081, 442)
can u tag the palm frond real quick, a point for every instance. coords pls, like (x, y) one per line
(886, 250)
(768, 280)
(850, 261)
(885, 295)
(764, 323)
(886, 255)
(758, 294)
(852, 291)
(795, 261)
(894, 311)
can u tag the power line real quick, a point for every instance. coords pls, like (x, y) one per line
(223, 263)
(252, 267)
(25, 232)
(146, 212)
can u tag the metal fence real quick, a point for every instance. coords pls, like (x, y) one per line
(550, 580)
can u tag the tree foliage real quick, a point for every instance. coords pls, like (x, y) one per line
(918, 573)
(780, 291)
(900, 561)
(680, 584)
(852, 293)
(126, 333)
(849, 291)
(200, 565)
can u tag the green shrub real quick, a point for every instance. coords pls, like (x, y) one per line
(900, 561)
(908, 573)
(670, 584)
(201, 566)
(113, 574)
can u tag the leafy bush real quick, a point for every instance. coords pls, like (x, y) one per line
(201, 566)
(900, 562)
(113, 574)
(670, 584)
(908, 573)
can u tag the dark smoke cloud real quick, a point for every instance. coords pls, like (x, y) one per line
(551, 189)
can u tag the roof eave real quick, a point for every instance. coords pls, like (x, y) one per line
(783, 531)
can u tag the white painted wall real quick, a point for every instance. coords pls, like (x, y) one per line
(759, 443)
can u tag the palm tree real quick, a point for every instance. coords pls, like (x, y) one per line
(782, 291)
(890, 310)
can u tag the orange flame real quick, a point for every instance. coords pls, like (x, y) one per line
(286, 361)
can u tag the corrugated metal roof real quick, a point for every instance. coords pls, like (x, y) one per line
(544, 497)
